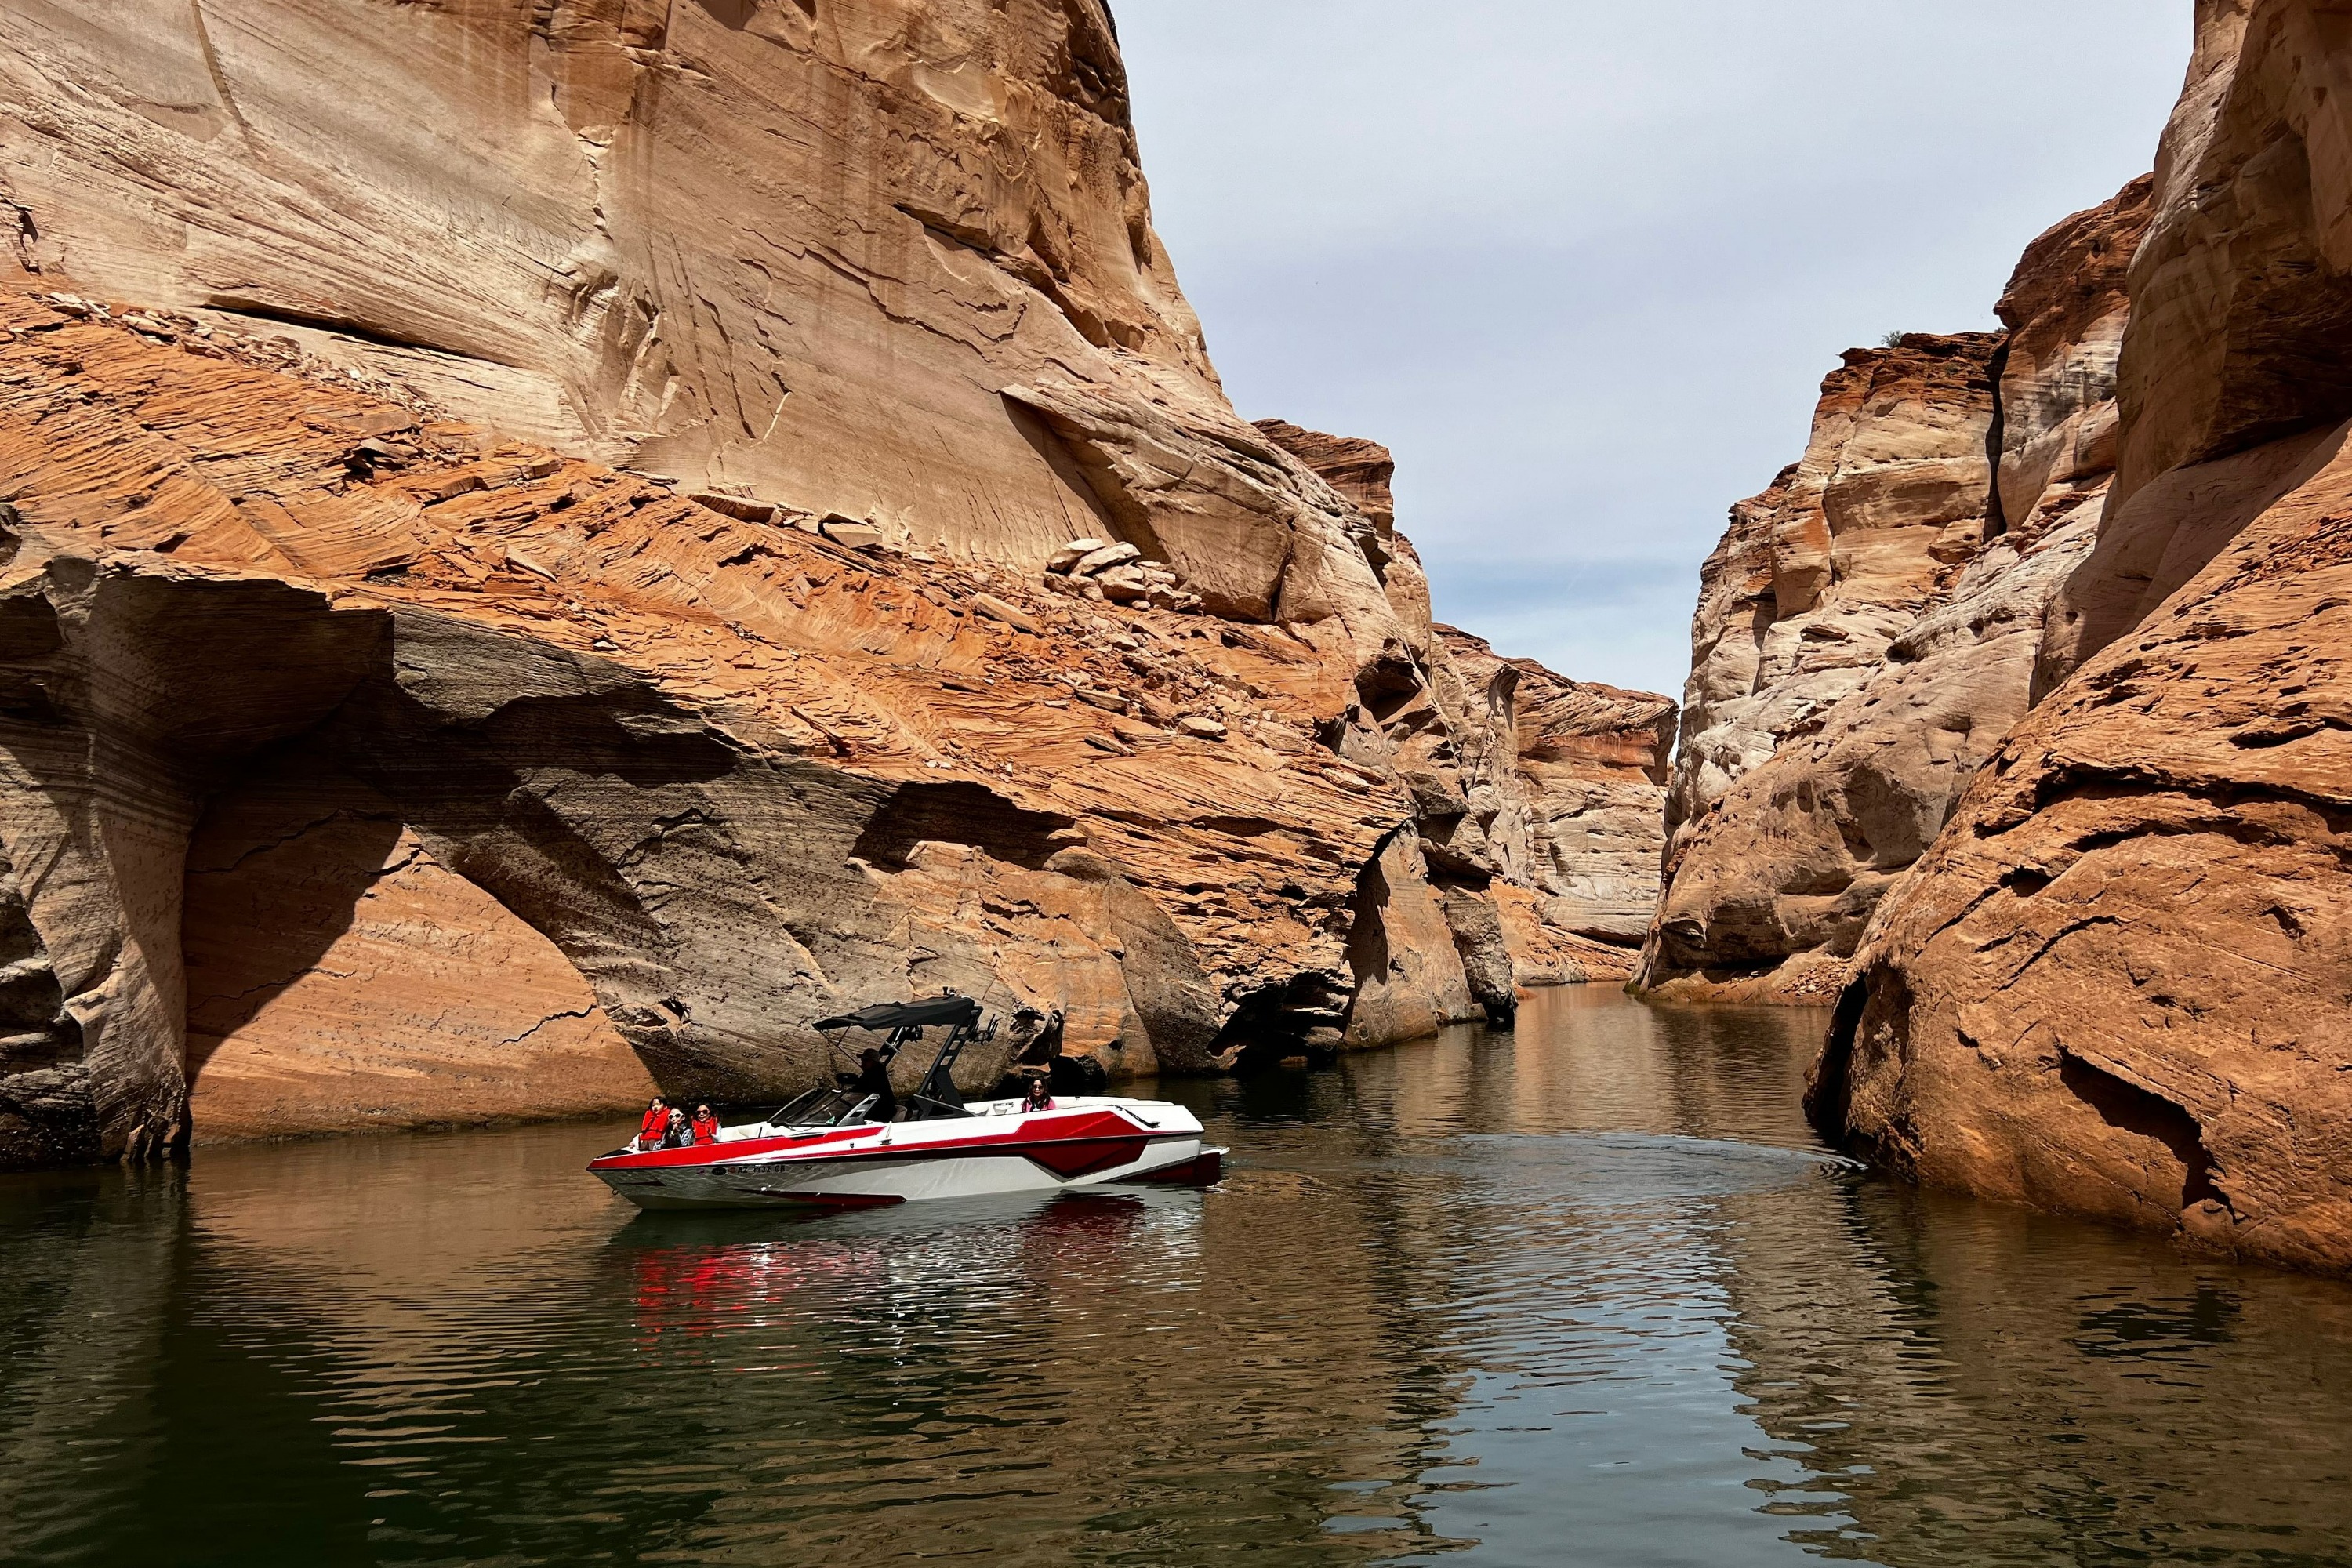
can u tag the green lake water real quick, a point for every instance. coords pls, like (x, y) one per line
(1587, 1293)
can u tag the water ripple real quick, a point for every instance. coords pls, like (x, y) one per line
(1587, 1292)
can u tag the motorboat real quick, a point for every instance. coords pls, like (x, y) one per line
(838, 1147)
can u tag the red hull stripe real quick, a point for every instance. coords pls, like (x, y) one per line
(1083, 1155)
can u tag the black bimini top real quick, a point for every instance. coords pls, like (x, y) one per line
(884, 1016)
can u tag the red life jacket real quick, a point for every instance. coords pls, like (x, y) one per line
(654, 1122)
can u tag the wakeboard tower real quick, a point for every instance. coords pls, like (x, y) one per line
(835, 1148)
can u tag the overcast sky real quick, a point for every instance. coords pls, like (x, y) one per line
(1583, 265)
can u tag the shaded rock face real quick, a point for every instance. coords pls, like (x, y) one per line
(1868, 629)
(388, 1020)
(2116, 983)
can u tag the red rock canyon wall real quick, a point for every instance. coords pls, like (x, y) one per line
(1867, 630)
(550, 544)
(2118, 984)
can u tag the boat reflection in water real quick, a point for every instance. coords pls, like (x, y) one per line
(1589, 1291)
(696, 1274)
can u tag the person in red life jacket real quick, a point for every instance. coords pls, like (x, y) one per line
(654, 1124)
(706, 1126)
(1039, 1098)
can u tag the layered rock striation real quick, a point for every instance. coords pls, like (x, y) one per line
(804, 248)
(2118, 983)
(530, 539)
(1868, 629)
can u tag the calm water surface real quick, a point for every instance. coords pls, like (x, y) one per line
(1586, 1294)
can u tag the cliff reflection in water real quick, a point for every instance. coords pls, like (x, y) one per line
(1976, 1383)
(1587, 1292)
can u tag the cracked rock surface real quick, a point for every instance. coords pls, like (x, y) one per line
(2119, 983)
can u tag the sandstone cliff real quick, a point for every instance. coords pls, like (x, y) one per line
(1534, 798)
(1867, 629)
(1575, 782)
(2119, 983)
(532, 541)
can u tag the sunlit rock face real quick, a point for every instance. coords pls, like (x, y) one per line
(1867, 630)
(760, 241)
(541, 561)
(277, 726)
(2118, 983)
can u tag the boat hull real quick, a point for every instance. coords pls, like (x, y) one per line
(1098, 1143)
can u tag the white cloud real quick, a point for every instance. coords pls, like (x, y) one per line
(1582, 265)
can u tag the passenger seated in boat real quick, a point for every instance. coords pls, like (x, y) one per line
(681, 1134)
(653, 1126)
(872, 1077)
(706, 1126)
(1039, 1098)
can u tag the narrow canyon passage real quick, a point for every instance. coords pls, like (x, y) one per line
(560, 552)
(1454, 1301)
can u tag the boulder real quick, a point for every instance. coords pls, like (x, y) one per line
(1123, 584)
(1070, 555)
(1102, 560)
(997, 610)
(850, 535)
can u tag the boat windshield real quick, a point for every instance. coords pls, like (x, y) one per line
(824, 1107)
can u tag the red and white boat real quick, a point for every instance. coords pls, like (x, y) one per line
(839, 1148)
